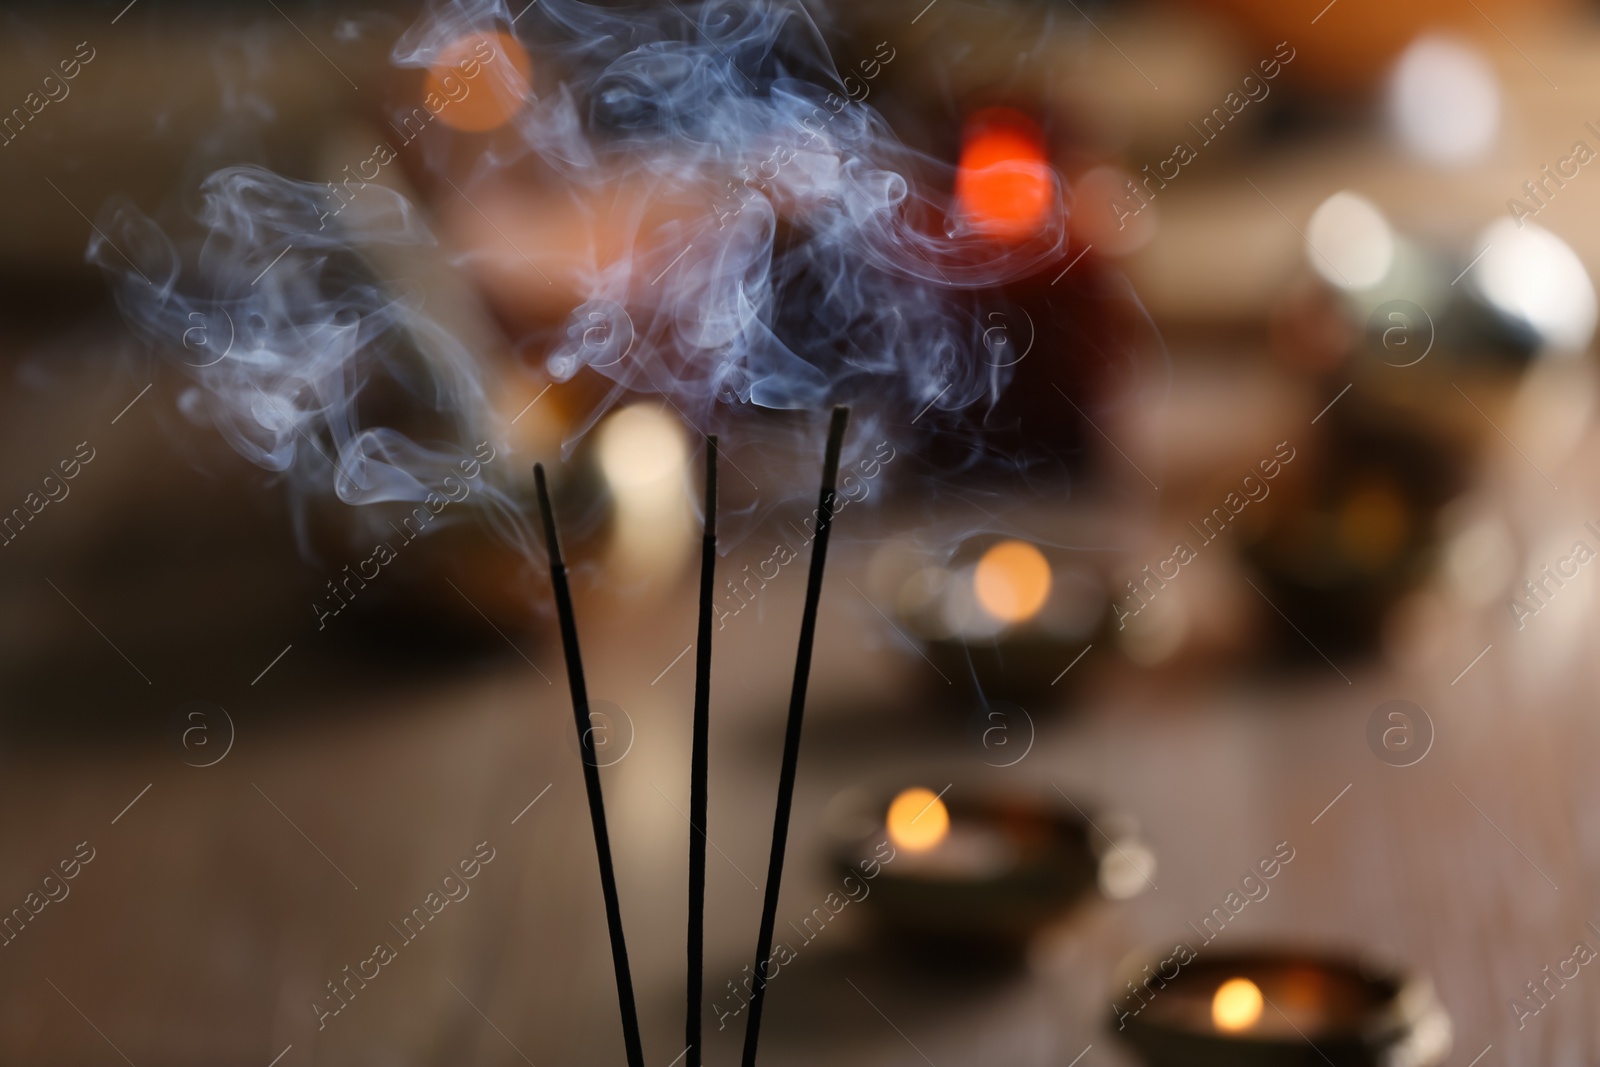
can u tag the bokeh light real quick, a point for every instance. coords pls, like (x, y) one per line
(640, 448)
(1108, 214)
(1350, 242)
(1236, 1006)
(918, 820)
(1530, 274)
(489, 100)
(1444, 101)
(1127, 870)
(1004, 185)
(643, 456)
(1012, 581)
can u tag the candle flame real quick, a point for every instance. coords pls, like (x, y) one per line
(1012, 581)
(918, 820)
(1236, 1006)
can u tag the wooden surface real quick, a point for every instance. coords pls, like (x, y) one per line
(220, 903)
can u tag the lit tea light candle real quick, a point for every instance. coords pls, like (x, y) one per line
(914, 806)
(1009, 620)
(1012, 581)
(1236, 1005)
(976, 873)
(919, 824)
(1277, 1008)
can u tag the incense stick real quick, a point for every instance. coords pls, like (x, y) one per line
(591, 773)
(698, 799)
(791, 739)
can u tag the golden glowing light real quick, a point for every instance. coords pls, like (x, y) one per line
(478, 81)
(1003, 181)
(644, 457)
(918, 820)
(1012, 581)
(642, 450)
(1236, 1006)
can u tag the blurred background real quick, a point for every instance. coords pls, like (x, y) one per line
(1219, 490)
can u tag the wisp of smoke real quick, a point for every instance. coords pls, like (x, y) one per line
(806, 257)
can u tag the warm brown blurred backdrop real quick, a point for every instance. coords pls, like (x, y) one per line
(1318, 400)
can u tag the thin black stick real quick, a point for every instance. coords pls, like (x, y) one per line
(791, 739)
(698, 799)
(591, 774)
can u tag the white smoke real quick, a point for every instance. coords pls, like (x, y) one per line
(810, 257)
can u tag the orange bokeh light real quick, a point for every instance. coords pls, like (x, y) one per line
(1004, 186)
(918, 820)
(481, 101)
(1236, 1006)
(1012, 581)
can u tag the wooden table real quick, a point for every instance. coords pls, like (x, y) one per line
(221, 900)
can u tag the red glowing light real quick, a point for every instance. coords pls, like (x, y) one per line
(1004, 185)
